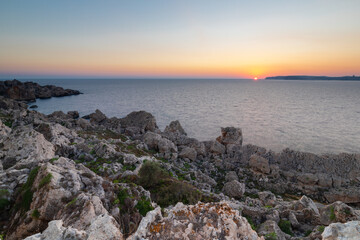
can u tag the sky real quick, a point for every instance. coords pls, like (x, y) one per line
(179, 38)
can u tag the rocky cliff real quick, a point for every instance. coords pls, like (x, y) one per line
(65, 177)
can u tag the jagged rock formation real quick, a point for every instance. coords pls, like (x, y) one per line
(71, 177)
(200, 221)
(29, 91)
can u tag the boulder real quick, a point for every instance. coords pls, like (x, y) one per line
(189, 153)
(97, 117)
(267, 198)
(270, 229)
(151, 140)
(156, 142)
(234, 189)
(338, 212)
(231, 135)
(230, 176)
(73, 114)
(259, 164)
(215, 147)
(142, 120)
(348, 231)
(175, 128)
(24, 147)
(200, 221)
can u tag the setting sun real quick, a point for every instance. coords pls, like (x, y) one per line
(255, 78)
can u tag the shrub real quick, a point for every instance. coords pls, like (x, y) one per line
(122, 195)
(151, 174)
(166, 190)
(31, 178)
(26, 194)
(45, 180)
(4, 203)
(271, 236)
(250, 221)
(321, 229)
(71, 202)
(53, 159)
(35, 214)
(285, 226)
(332, 213)
(144, 206)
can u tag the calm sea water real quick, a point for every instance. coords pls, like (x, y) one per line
(312, 116)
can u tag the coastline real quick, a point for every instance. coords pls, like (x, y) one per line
(106, 155)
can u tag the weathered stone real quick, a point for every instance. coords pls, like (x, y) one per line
(215, 147)
(230, 176)
(97, 117)
(208, 219)
(348, 231)
(231, 135)
(234, 189)
(308, 178)
(175, 128)
(259, 164)
(143, 120)
(189, 153)
(25, 146)
(270, 227)
(267, 198)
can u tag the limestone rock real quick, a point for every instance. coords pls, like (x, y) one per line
(230, 176)
(142, 120)
(231, 135)
(270, 227)
(267, 198)
(342, 231)
(259, 164)
(189, 153)
(175, 128)
(97, 117)
(215, 147)
(234, 189)
(200, 221)
(25, 146)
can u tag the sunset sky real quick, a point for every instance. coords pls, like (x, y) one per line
(180, 38)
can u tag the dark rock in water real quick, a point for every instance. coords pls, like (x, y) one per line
(33, 106)
(29, 91)
(143, 120)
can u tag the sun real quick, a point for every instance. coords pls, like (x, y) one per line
(255, 78)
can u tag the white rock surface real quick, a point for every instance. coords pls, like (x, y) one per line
(342, 231)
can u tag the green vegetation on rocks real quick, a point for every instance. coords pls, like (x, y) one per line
(144, 206)
(35, 214)
(166, 190)
(271, 236)
(285, 226)
(26, 194)
(45, 180)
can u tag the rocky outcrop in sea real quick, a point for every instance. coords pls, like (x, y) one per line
(63, 176)
(30, 91)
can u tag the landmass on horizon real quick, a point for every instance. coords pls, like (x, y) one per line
(306, 77)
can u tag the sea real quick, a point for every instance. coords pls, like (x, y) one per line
(312, 116)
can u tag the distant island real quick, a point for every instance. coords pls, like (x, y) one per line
(304, 77)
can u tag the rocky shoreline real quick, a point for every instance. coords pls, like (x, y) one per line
(66, 177)
(30, 91)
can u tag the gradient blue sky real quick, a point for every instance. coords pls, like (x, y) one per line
(179, 38)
